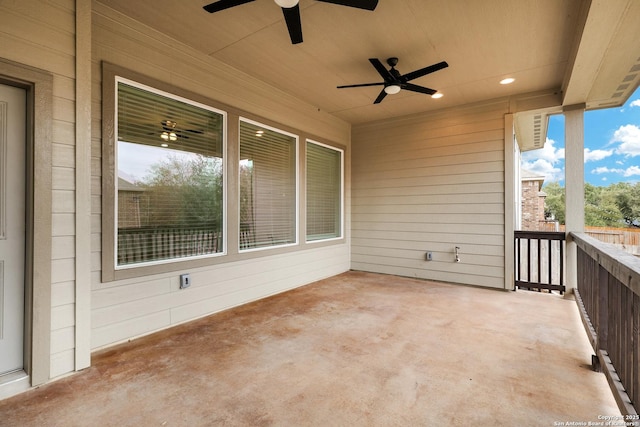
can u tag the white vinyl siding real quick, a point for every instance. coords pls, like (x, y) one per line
(430, 183)
(126, 308)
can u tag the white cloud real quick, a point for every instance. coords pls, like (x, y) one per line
(635, 103)
(544, 168)
(544, 160)
(604, 169)
(595, 155)
(549, 153)
(629, 138)
(631, 171)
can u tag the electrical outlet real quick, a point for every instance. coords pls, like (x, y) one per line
(429, 256)
(185, 281)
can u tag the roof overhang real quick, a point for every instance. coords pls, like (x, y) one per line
(531, 118)
(604, 69)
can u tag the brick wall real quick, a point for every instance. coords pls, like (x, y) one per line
(532, 205)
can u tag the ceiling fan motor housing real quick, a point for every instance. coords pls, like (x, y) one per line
(393, 81)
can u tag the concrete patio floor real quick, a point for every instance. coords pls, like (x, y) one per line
(358, 349)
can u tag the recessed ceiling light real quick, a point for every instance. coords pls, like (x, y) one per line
(437, 95)
(507, 81)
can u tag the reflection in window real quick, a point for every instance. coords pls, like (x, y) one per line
(324, 192)
(170, 177)
(267, 187)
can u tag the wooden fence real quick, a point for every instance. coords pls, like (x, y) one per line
(627, 239)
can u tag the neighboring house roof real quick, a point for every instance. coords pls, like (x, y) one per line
(527, 175)
(124, 185)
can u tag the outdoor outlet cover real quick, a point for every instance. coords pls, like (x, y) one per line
(429, 256)
(185, 281)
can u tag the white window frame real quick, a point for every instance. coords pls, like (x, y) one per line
(297, 184)
(341, 151)
(116, 266)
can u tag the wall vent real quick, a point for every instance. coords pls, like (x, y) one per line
(627, 80)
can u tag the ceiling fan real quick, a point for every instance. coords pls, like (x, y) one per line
(394, 81)
(171, 133)
(291, 11)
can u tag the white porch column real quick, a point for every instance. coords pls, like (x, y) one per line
(574, 185)
(512, 201)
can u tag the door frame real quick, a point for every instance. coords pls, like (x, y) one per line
(38, 85)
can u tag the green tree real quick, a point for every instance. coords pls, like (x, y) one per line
(185, 191)
(617, 205)
(600, 208)
(554, 202)
(627, 199)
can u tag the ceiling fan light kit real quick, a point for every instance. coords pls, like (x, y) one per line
(291, 11)
(392, 89)
(393, 81)
(286, 3)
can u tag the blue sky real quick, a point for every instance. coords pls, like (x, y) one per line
(612, 146)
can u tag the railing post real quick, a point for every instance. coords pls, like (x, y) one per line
(516, 249)
(529, 260)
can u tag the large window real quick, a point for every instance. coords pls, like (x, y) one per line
(268, 187)
(324, 192)
(170, 177)
(165, 186)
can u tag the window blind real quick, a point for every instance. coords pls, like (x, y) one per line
(324, 192)
(170, 177)
(267, 187)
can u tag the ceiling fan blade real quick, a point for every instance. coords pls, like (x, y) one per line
(416, 88)
(380, 97)
(294, 25)
(382, 70)
(360, 4)
(224, 4)
(424, 71)
(361, 85)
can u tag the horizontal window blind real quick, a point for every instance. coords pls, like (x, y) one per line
(324, 192)
(170, 178)
(267, 187)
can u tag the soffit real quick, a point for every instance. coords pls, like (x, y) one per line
(605, 66)
(483, 41)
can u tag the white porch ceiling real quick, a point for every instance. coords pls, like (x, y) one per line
(536, 42)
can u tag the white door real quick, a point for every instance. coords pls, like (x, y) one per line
(12, 227)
